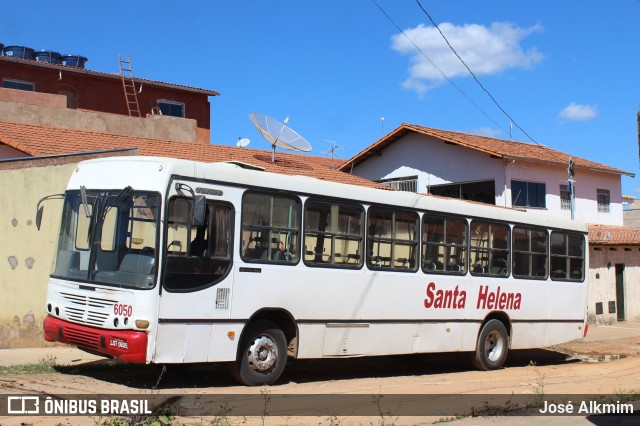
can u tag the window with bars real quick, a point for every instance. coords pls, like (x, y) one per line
(565, 197)
(409, 184)
(604, 201)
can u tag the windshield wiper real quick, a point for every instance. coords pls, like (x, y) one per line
(121, 196)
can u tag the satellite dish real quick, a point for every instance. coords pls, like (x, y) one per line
(242, 143)
(279, 134)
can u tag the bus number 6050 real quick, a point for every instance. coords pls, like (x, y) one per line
(121, 309)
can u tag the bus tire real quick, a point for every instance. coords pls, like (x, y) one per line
(262, 355)
(492, 346)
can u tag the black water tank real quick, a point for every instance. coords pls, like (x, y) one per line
(18, 52)
(48, 56)
(74, 60)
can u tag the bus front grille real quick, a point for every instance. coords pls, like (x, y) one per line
(86, 317)
(94, 302)
(87, 309)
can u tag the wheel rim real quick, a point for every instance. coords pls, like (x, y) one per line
(494, 346)
(263, 353)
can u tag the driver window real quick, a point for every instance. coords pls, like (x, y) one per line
(197, 256)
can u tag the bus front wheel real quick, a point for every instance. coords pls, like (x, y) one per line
(262, 355)
(492, 346)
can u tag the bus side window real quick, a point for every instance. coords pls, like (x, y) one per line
(270, 228)
(333, 234)
(444, 245)
(530, 247)
(392, 240)
(489, 249)
(567, 256)
(177, 228)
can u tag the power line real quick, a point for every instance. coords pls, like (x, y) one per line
(472, 74)
(436, 67)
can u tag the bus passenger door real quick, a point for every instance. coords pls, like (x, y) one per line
(196, 281)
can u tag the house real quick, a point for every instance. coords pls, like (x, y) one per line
(526, 176)
(614, 273)
(494, 171)
(77, 88)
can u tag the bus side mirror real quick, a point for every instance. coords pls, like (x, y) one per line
(39, 217)
(40, 207)
(199, 210)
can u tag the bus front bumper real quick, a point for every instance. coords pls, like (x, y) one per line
(128, 345)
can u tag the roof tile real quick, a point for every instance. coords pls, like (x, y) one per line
(46, 140)
(610, 235)
(497, 147)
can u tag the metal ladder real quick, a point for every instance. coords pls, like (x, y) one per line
(129, 86)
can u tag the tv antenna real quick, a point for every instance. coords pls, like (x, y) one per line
(332, 150)
(243, 142)
(279, 134)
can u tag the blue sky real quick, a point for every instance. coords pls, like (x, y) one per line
(565, 71)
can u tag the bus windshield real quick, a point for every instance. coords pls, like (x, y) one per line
(109, 237)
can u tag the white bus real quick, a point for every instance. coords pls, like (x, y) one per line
(172, 261)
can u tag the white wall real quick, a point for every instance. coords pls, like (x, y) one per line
(586, 186)
(434, 162)
(586, 192)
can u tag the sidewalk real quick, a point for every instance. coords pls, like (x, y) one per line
(67, 355)
(620, 330)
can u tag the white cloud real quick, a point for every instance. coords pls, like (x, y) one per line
(490, 133)
(577, 112)
(486, 50)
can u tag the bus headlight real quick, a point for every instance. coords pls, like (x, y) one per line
(144, 324)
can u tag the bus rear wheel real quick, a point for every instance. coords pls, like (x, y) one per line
(262, 355)
(492, 346)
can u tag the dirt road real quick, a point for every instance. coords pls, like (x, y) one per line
(541, 372)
